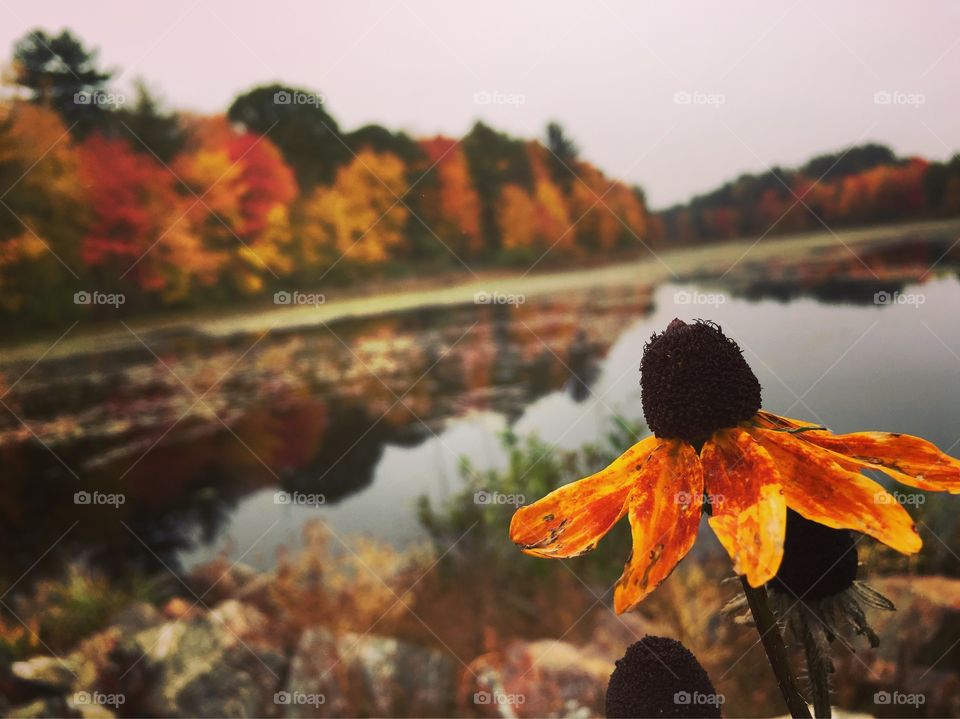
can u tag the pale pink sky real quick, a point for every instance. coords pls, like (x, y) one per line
(768, 82)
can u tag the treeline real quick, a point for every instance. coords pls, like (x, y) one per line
(859, 186)
(119, 196)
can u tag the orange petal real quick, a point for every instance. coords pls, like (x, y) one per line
(572, 519)
(664, 515)
(822, 490)
(748, 504)
(911, 460)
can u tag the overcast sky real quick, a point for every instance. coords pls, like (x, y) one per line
(676, 97)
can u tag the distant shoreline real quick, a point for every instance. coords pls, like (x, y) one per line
(407, 294)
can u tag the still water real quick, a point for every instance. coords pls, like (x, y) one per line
(367, 415)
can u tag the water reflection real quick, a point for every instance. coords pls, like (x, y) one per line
(844, 275)
(189, 427)
(198, 433)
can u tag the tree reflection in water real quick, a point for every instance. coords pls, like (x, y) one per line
(186, 433)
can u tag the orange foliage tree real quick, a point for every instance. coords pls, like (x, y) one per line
(140, 226)
(242, 191)
(606, 212)
(451, 203)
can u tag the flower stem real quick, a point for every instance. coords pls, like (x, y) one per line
(819, 664)
(776, 651)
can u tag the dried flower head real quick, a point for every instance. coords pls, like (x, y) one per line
(712, 443)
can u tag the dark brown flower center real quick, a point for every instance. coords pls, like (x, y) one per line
(818, 561)
(694, 381)
(659, 677)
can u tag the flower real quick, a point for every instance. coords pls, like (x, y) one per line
(713, 446)
(818, 562)
(658, 677)
(815, 592)
(816, 597)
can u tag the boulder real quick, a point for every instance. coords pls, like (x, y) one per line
(221, 663)
(366, 675)
(47, 673)
(220, 580)
(543, 678)
(136, 617)
(51, 707)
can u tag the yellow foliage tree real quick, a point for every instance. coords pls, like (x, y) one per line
(45, 209)
(359, 217)
(518, 218)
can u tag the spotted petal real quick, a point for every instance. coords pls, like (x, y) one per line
(749, 510)
(664, 511)
(910, 460)
(824, 491)
(571, 520)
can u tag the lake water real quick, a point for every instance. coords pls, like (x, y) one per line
(199, 433)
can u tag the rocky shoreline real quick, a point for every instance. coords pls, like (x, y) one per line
(186, 660)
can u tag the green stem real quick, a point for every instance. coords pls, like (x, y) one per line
(819, 666)
(776, 651)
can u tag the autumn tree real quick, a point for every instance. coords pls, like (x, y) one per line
(377, 138)
(297, 122)
(563, 152)
(941, 185)
(496, 160)
(851, 161)
(62, 74)
(140, 229)
(152, 129)
(241, 192)
(606, 212)
(42, 214)
(555, 229)
(517, 216)
(450, 204)
(358, 220)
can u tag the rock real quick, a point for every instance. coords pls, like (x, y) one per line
(94, 659)
(49, 673)
(220, 580)
(53, 707)
(222, 663)
(538, 679)
(367, 675)
(136, 617)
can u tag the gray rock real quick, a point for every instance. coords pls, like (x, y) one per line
(136, 617)
(45, 672)
(221, 663)
(357, 675)
(220, 580)
(53, 707)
